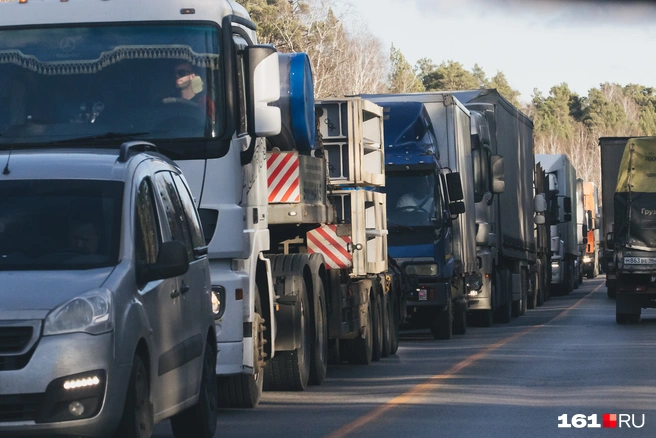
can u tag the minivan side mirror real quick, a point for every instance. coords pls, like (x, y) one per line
(454, 186)
(263, 88)
(172, 261)
(498, 174)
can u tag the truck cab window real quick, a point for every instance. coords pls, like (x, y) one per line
(148, 81)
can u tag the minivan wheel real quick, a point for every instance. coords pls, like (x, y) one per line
(200, 419)
(137, 419)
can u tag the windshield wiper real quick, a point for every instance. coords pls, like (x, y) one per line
(403, 227)
(106, 136)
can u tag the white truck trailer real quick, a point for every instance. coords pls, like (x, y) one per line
(190, 79)
(566, 256)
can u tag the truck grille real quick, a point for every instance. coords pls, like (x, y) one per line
(14, 339)
(22, 407)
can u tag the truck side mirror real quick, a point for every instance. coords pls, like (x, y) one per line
(262, 88)
(590, 221)
(567, 204)
(610, 240)
(568, 217)
(454, 186)
(457, 208)
(498, 173)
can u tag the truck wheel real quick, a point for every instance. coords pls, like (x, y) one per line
(360, 349)
(137, 419)
(442, 325)
(200, 419)
(460, 321)
(394, 321)
(627, 318)
(242, 390)
(611, 292)
(290, 370)
(387, 326)
(319, 359)
(378, 326)
(590, 275)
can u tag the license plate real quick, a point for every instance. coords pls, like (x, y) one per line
(640, 260)
(423, 295)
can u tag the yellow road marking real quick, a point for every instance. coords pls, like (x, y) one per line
(416, 393)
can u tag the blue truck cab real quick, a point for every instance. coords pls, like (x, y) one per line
(422, 200)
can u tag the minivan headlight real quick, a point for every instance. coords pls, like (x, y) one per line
(88, 313)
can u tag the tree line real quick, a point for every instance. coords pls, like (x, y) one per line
(350, 60)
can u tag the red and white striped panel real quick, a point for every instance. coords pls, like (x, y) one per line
(325, 241)
(283, 178)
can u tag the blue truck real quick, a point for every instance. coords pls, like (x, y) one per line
(429, 209)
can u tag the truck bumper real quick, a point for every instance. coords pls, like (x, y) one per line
(482, 299)
(429, 294)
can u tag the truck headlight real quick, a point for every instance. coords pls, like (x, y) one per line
(218, 301)
(91, 313)
(424, 270)
(587, 259)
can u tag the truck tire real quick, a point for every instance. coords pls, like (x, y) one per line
(627, 310)
(532, 301)
(379, 328)
(360, 349)
(387, 326)
(611, 292)
(442, 324)
(319, 358)
(519, 307)
(460, 320)
(242, 390)
(627, 318)
(394, 321)
(290, 370)
(503, 314)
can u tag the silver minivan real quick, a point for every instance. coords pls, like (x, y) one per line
(106, 318)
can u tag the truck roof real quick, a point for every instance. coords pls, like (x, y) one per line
(40, 12)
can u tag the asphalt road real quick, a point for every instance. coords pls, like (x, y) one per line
(514, 380)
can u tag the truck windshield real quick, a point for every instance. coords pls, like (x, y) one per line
(412, 200)
(59, 224)
(153, 81)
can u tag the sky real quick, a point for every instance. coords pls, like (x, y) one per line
(535, 43)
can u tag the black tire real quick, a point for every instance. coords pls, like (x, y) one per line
(319, 357)
(627, 318)
(590, 275)
(200, 419)
(387, 325)
(290, 370)
(335, 356)
(137, 419)
(460, 322)
(442, 324)
(379, 328)
(394, 321)
(241, 390)
(360, 349)
(611, 292)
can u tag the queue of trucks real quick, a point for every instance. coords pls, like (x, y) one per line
(332, 224)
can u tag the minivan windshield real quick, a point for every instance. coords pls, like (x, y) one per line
(152, 81)
(59, 224)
